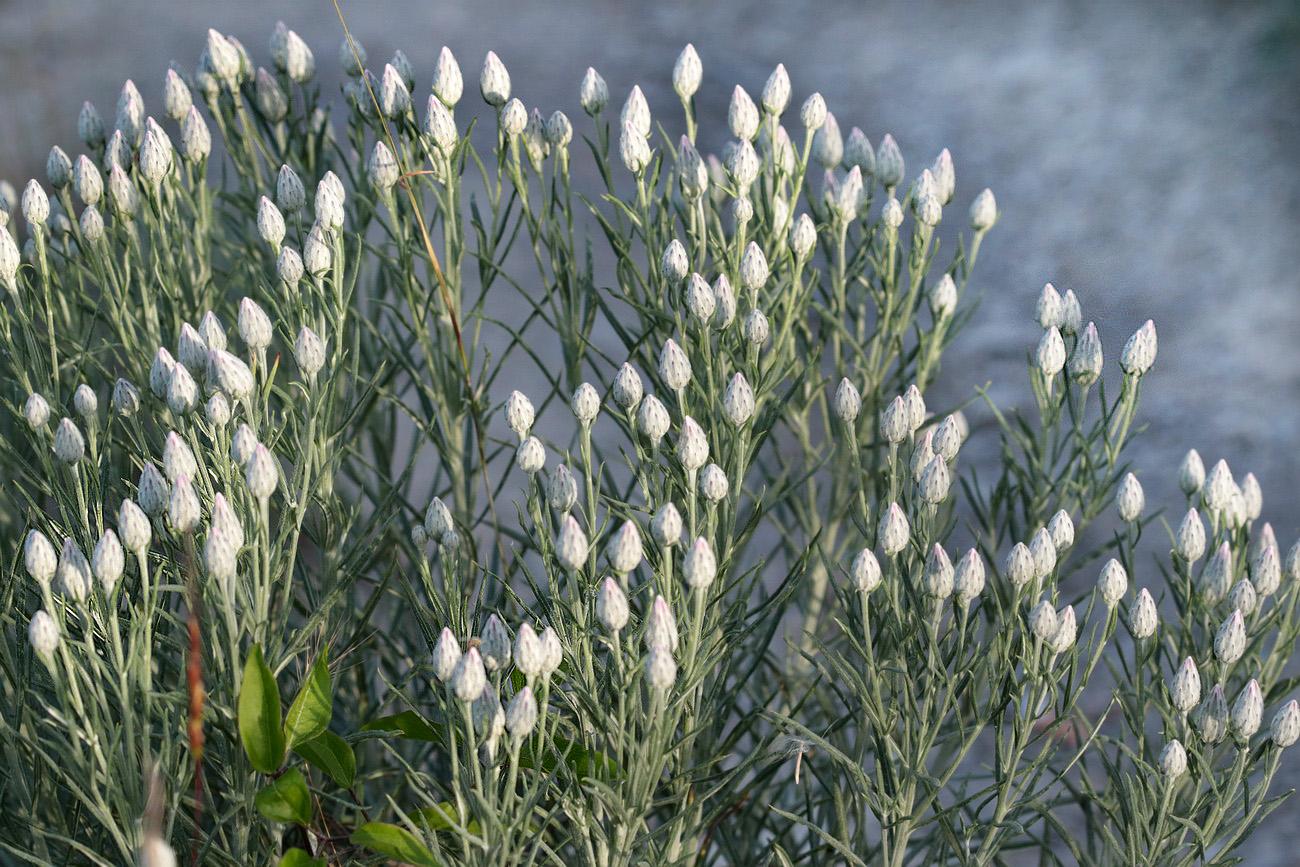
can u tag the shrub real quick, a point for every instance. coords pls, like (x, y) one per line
(719, 589)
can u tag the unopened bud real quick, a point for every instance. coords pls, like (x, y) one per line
(848, 402)
(1019, 569)
(593, 94)
(1248, 710)
(893, 531)
(1130, 500)
(1191, 473)
(938, 575)
(1142, 616)
(1185, 686)
(494, 81)
(611, 606)
(1113, 583)
(1230, 640)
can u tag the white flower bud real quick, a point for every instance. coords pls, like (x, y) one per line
(254, 325)
(1185, 686)
(73, 572)
(36, 410)
(69, 445)
(1191, 473)
(289, 192)
(289, 266)
(983, 211)
(915, 407)
(894, 421)
(828, 146)
(803, 237)
(43, 633)
(382, 168)
(1142, 615)
(968, 582)
(1020, 565)
(1173, 760)
(660, 627)
(1043, 550)
(1252, 496)
(1216, 577)
(1067, 630)
(440, 126)
(1043, 621)
(624, 552)
(943, 298)
(1071, 313)
(1140, 350)
(232, 375)
(309, 352)
(1266, 571)
(724, 303)
(585, 404)
(494, 81)
(889, 163)
(446, 656)
(36, 205)
(183, 506)
(743, 164)
(1189, 541)
(593, 94)
(196, 138)
(571, 546)
(494, 644)
(692, 445)
(58, 168)
(627, 388)
(39, 557)
(634, 149)
(1230, 640)
(562, 489)
(552, 652)
(692, 172)
(1218, 488)
(674, 263)
(652, 419)
(352, 57)
(1130, 500)
(108, 560)
(316, 254)
(687, 72)
(86, 181)
(1086, 362)
(90, 126)
(1243, 597)
(938, 576)
(1248, 710)
(1212, 716)
(636, 112)
(153, 490)
(660, 669)
(513, 118)
(742, 115)
(1048, 308)
(666, 526)
(945, 176)
(519, 413)
(394, 97)
(448, 84)
(191, 348)
(700, 566)
(935, 481)
(700, 302)
(813, 112)
(182, 390)
(521, 714)
(611, 606)
(756, 327)
(262, 473)
(713, 483)
(469, 676)
(1286, 724)
(85, 402)
(753, 267)
(848, 402)
(891, 214)
(531, 455)
(1113, 583)
(1051, 353)
(865, 572)
(893, 530)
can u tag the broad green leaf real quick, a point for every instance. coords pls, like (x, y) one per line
(259, 715)
(296, 857)
(310, 713)
(285, 799)
(408, 724)
(442, 817)
(394, 842)
(331, 754)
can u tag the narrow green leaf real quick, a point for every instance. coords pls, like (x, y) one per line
(296, 857)
(286, 799)
(310, 713)
(331, 754)
(407, 724)
(259, 715)
(584, 763)
(393, 841)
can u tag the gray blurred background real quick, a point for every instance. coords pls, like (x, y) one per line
(1144, 154)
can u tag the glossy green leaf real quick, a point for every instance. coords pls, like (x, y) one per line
(259, 715)
(394, 842)
(286, 799)
(331, 754)
(310, 713)
(296, 857)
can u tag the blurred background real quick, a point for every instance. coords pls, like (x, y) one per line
(1144, 154)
